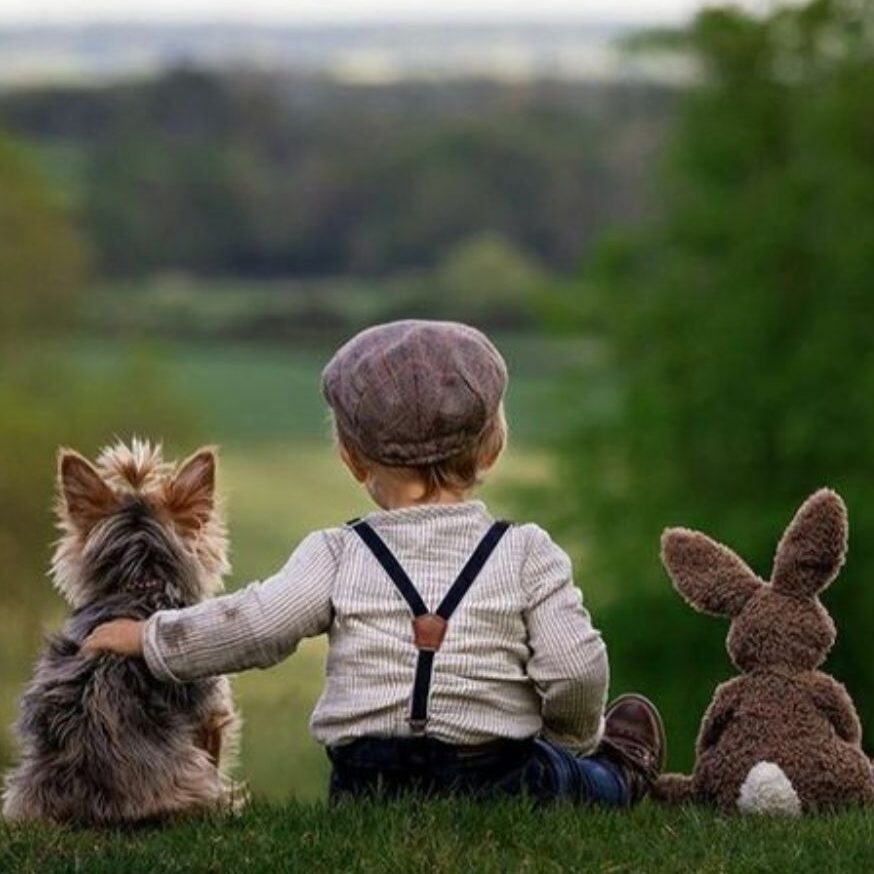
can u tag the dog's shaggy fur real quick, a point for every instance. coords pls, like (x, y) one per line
(101, 740)
(782, 738)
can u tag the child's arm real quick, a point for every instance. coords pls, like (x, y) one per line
(255, 627)
(568, 661)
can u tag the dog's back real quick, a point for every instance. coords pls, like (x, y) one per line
(101, 740)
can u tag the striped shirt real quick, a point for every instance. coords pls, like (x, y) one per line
(521, 656)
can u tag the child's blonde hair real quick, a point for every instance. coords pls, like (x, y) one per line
(457, 473)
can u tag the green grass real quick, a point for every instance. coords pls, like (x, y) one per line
(454, 837)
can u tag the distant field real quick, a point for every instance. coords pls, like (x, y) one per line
(241, 393)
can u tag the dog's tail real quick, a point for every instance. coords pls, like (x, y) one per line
(767, 790)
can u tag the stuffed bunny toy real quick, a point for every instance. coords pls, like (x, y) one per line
(783, 737)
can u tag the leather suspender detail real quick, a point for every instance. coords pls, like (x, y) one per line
(429, 629)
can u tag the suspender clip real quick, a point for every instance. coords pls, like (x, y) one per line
(429, 629)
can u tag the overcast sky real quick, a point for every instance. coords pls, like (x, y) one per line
(315, 11)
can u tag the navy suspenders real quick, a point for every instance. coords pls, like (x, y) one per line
(429, 628)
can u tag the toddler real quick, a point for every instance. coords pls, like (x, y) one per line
(461, 659)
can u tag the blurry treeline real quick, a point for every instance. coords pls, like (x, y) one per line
(737, 346)
(345, 204)
(257, 175)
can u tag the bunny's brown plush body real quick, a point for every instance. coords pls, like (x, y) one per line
(782, 737)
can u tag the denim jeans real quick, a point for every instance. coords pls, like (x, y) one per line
(535, 768)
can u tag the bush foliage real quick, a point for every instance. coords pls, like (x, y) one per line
(737, 372)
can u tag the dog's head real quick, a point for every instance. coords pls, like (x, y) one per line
(132, 521)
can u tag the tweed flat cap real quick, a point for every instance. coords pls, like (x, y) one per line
(415, 392)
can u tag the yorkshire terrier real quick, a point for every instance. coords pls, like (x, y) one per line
(102, 741)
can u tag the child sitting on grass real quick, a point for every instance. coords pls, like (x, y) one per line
(498, 685)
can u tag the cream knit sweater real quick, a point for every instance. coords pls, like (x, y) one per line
(520, 657)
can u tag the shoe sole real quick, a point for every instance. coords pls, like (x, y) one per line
(660, 725)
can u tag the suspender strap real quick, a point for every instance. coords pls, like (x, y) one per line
(429, 628)
(471, 569)
(391, 566)
(421, 689)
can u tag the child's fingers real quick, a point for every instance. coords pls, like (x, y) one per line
(121, 636)
(97, 641)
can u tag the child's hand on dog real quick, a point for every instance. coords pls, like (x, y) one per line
(121, 636)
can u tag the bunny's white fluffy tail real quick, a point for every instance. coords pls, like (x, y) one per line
(767, 790)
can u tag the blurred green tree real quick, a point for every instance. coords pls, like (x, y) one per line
(44, 400)
(42, 259)
(488, 279)
(42, 268)
(737, 365)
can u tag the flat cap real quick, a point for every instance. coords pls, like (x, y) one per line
(415, 392)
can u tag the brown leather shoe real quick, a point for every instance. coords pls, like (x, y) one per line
(634, 738)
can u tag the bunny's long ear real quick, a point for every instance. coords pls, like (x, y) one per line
(711, 577)
(814, 547)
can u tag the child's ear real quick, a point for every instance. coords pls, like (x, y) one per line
(490, 457)
(85, 497)
(814, 547)
(709, 575)
(190, 495)
(354, 463)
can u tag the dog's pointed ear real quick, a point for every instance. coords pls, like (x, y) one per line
(814, 546)
(190, 494)
(711, 577)
(85, 498)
